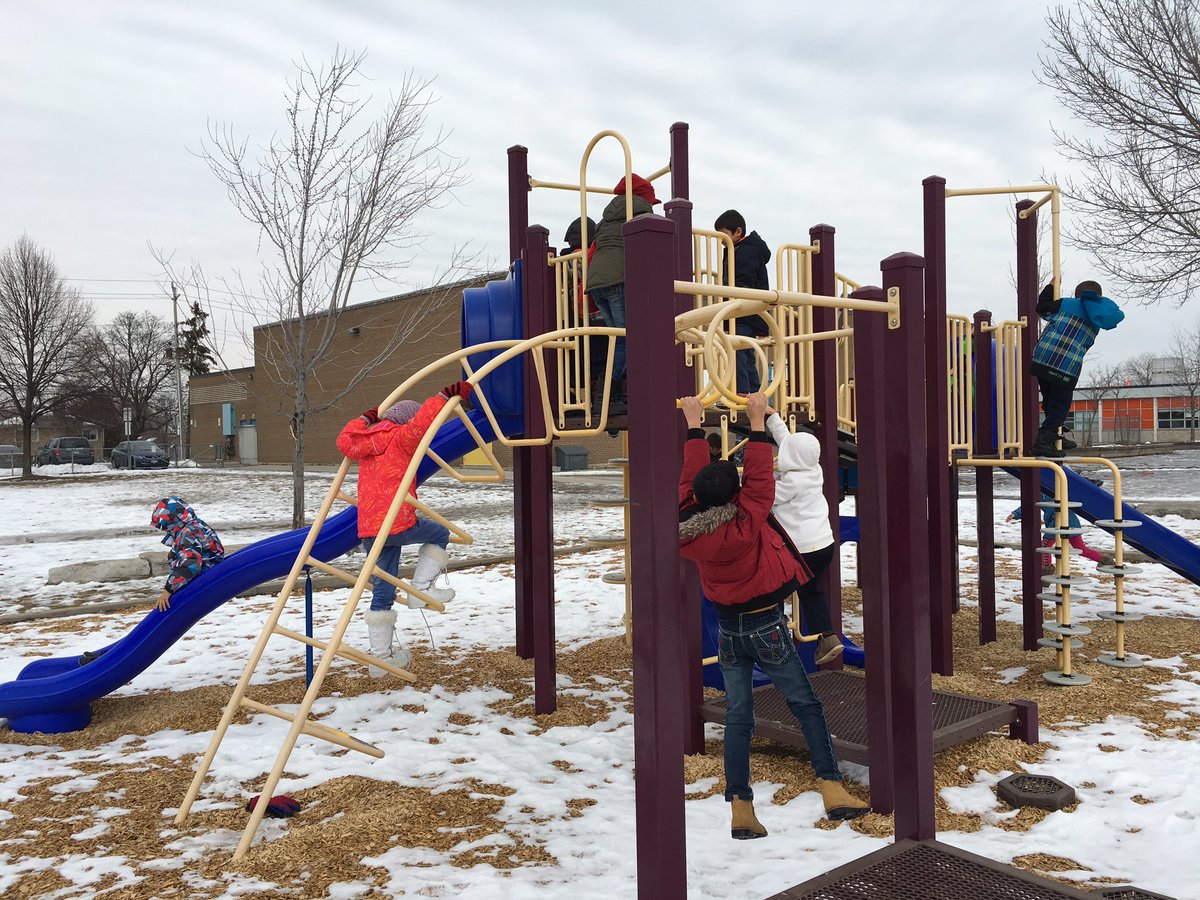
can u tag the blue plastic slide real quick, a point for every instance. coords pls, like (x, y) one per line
(1156, 541)
(54, 695)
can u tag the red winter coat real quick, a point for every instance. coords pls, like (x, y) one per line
(739, 555)
(383, 452)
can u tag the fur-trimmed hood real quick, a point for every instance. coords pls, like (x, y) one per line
(706, 521)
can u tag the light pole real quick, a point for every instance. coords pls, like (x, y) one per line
(178, 379)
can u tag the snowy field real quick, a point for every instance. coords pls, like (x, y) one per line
(476, 794)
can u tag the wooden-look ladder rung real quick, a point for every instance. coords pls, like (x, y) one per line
(430, 602)
(313, 729)
(351, 653)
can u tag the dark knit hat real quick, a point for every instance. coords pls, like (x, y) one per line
(716, 484)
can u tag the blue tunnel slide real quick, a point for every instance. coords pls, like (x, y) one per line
(54, 695)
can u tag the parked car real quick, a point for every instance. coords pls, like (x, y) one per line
(10, 456)
(63, 450)
(139, 455)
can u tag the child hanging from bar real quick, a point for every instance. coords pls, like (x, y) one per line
(747, 573)
(383, 446)
(802, 513)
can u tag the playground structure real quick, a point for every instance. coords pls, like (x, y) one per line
(873, 363)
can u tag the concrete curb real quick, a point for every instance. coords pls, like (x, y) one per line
(320, 582)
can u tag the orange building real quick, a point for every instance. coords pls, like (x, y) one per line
(1160, 413)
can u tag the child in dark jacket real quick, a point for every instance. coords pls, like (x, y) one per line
(750, 257)
(1073, 324)
(745, 570)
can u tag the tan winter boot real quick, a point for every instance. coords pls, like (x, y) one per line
(829, 648)
(431, 562)
(381, 626)
(746, 826)
(839, 805)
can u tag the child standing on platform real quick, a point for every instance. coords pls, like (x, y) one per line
(801, 510)
(747, 573)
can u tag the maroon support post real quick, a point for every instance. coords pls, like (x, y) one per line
(662, 655)
(1031, 564)
(535, 557)
(825, 403)
(518, 225)
(679, 169)
(943, 539)
(985, 445)
(679, 212)
(870, 333)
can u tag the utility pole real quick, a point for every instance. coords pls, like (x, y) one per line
(178, 378)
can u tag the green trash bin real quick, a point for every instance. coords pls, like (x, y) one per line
(570, 459)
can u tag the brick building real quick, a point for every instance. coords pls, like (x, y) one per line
(246, 413)
(1158, 413)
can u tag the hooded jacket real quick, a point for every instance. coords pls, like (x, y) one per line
(750, 257)
(1072, 329)
(192, 546)
(800, 505)
(607, 267)
(739, 555)
(383, 452)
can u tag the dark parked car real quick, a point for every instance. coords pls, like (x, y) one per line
(10, 456)
(63, 450)
(139, 455)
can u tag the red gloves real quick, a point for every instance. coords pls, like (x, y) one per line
(458, 389)
(279, 807)
(371, 416)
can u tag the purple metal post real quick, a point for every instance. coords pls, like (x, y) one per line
(1031, 564)
(872, 380)
(985, 445)
(825, 403)
(518, 225)
(535, 557)
(905, 435)
(943, 539)
(679, 212)
(679, 169)
(662, 654)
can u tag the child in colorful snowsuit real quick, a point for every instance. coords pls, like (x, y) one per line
(383, 446)
(747, 573)
(801, 510)
(192, 547)
(1073, 323)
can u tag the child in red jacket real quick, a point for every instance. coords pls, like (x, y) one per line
(725, 528)
(383, 446)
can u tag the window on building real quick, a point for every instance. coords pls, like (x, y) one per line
(1174, 418)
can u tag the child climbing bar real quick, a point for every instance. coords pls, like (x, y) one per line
(747, 573)
(801, 511)
(384, 446)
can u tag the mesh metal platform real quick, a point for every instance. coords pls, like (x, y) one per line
(928, 870)
(957, 718)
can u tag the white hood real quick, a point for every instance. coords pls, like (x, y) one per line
(800, 505)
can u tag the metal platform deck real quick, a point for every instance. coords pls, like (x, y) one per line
(957, 718)
(928, 870)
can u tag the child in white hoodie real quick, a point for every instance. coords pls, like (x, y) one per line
(801, 510)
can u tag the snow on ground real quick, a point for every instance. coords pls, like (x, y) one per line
(1137, 791)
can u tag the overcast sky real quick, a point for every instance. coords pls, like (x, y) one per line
(799, 113)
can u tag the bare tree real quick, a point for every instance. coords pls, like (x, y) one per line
(1185, 347)
(1103, 382)
(1130, 71)
(335, 200)
(42, 322)
(1140, 369)
(131, 368)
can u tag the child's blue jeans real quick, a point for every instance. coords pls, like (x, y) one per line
(763, 638)
(424, 531)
